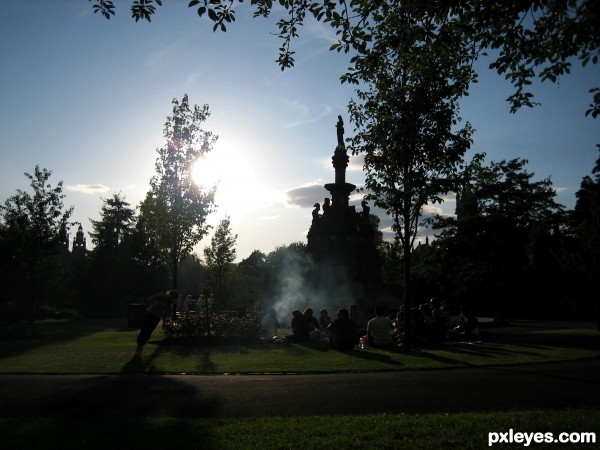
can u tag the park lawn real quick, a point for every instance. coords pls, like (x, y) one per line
(103, 346)
(94, 346)
(420, 431)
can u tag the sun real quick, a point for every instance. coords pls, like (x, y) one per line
(238, 188)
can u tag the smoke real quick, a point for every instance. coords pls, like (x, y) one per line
(299, 284)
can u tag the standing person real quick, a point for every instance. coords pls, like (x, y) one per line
(161, 306)
(343, 331)
(379, 329)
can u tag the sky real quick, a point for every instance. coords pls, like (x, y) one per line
(87, 98)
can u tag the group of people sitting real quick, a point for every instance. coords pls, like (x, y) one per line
(428, 324)
(342, 333)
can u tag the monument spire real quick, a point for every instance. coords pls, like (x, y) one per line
(340, 190)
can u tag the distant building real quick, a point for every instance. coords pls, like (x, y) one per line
(79, 245)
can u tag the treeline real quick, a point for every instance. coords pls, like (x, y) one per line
(510, 250)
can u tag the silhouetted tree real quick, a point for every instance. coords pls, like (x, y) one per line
(109, 277)
(117, 220)
(221, 252)
(175, 209)
(249, 281)
(406, 124)
(491, 251)
(586, 220)
(34, 230)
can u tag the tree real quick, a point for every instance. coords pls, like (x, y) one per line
(221, 252)
(531, 38)
(175, 209)
(117, 220)
(406, 124)
(504, 241)
(111, 279)
(249, 281)
(34, 229)
(586, 220)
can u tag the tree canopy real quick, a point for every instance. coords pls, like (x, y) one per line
(529, 39)
(34, 227)
(176, 207)
(221, 252)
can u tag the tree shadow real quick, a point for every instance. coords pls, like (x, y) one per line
(49, 332)
(374, 356)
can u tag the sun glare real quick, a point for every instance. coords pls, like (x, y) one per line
(238, 189)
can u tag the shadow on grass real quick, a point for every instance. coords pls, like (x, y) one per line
(49, 332)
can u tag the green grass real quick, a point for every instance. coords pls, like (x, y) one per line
(96, 346)
(431, 431)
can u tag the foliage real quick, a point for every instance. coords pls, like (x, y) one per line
(33, 231)
(406, 121)
(109, 273)
(586, 223)
(586, 217)
(117, 220)
(248, 282)
(175, 209)
(506, 226)
(530, 39)
(221, 252)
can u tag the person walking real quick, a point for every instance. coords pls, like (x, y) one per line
(161, 307)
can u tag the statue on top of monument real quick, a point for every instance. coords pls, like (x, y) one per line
(365, 209)
(340, 131)
(315, 213)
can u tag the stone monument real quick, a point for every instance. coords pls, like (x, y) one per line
(341, 241)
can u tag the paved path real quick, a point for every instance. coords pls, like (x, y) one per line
(448, 390)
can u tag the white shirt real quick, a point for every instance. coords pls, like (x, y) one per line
(380, 328)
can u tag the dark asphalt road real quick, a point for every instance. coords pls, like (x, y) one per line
(449, 390)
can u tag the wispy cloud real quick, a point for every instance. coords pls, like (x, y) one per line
(304, 114)
(87, 188)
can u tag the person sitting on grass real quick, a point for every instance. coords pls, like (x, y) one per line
(324, 319)
(379, 329)
(469, 328)
(300, 328)
(343, 331)
(315, 331)
(161, 307)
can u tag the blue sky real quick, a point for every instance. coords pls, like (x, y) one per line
(88, 98)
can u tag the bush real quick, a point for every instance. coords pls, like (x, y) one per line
(228, 324)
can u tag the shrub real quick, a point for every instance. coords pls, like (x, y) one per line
(228, 324)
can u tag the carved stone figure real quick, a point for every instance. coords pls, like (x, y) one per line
(315, 213)
(340, 131)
